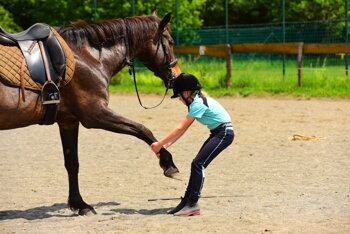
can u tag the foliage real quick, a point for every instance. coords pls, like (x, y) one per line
(316, 10)
(62, 12)
(267, 11)
(192, 13)
(6, 21)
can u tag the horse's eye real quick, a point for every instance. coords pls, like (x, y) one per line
(170, 39)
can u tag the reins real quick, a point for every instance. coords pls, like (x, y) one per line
(131, 66)
(137, 92)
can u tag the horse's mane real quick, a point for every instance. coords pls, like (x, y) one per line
(108, 33)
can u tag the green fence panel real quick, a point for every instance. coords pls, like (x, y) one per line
(308, 32)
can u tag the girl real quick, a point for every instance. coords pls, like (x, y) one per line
(210, 113)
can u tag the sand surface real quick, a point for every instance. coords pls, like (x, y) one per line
(263, 183)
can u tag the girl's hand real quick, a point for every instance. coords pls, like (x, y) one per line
(156, 146)
(158, 155)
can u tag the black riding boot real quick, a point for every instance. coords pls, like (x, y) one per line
(179, 206)
(190, 209)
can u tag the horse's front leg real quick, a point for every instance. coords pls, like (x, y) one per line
(104, 118)
(69, 137)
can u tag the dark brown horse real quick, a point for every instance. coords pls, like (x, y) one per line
(100, 51)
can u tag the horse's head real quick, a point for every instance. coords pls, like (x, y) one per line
(157, 53)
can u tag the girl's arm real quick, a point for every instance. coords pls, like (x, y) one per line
(174, 135)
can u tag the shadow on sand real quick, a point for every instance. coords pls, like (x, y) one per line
(142, 211)
(44, 212)
(59, 210)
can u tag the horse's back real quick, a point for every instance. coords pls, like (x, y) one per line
(14, 112)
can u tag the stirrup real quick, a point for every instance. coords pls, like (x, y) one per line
(50, 93)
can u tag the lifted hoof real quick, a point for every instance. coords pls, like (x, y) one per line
(176, 176)
(87, 212)
(172, 172)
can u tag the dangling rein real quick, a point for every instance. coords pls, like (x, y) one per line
(131, 67)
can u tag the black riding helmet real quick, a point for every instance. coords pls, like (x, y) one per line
(185, 82)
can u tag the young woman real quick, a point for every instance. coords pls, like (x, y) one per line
(210, 113)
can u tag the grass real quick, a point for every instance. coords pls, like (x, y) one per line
(322, 77)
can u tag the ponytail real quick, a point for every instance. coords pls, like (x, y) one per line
(203, 94)
(192, 95)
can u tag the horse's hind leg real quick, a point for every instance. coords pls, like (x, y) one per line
(69, 137)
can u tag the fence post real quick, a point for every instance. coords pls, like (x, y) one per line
(228, 65)
(300, 62)
(346, 36)
(95, 11)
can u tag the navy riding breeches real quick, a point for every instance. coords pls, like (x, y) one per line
(220, 138)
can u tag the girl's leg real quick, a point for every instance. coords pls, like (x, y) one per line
(184, 200)
(190, 182)
(211, 148)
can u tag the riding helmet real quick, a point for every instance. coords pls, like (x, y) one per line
(185, 82)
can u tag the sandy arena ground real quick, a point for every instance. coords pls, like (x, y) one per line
(263, 183)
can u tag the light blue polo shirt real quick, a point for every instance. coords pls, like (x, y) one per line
(211, 116)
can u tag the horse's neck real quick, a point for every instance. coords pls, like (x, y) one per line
(112, 58)
(138, 36)
(109, 60)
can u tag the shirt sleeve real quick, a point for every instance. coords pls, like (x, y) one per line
(197, 110)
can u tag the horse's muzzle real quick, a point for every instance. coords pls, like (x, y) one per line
(171, 80)
(169, 73)
(172, 75)
(173, 63)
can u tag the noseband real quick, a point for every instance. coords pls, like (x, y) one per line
(169, 64)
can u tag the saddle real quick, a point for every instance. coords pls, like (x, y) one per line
(44, 57)
(37, 59)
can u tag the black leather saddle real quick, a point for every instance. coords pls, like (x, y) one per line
(28, 40)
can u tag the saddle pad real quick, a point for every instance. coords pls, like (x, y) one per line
(11, 59)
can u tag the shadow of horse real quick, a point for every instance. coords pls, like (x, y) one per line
(59, 209)
(44, 212)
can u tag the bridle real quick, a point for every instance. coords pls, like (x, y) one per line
(169, 64)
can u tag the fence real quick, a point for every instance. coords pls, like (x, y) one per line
(300, 48)
(332, 31)
(316, 37)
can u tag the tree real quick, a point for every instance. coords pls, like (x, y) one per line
(6, 21)
(316, 10)
(62, 12)
(268, 11)
(192, 13)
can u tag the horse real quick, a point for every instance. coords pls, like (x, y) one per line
(100, 49)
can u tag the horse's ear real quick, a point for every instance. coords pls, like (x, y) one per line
(155, 13)
(164, 22)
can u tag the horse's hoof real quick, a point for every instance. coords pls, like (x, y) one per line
(176, 176)
(87, 212)
(171, 172)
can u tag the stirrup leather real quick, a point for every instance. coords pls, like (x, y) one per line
(50, 93)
